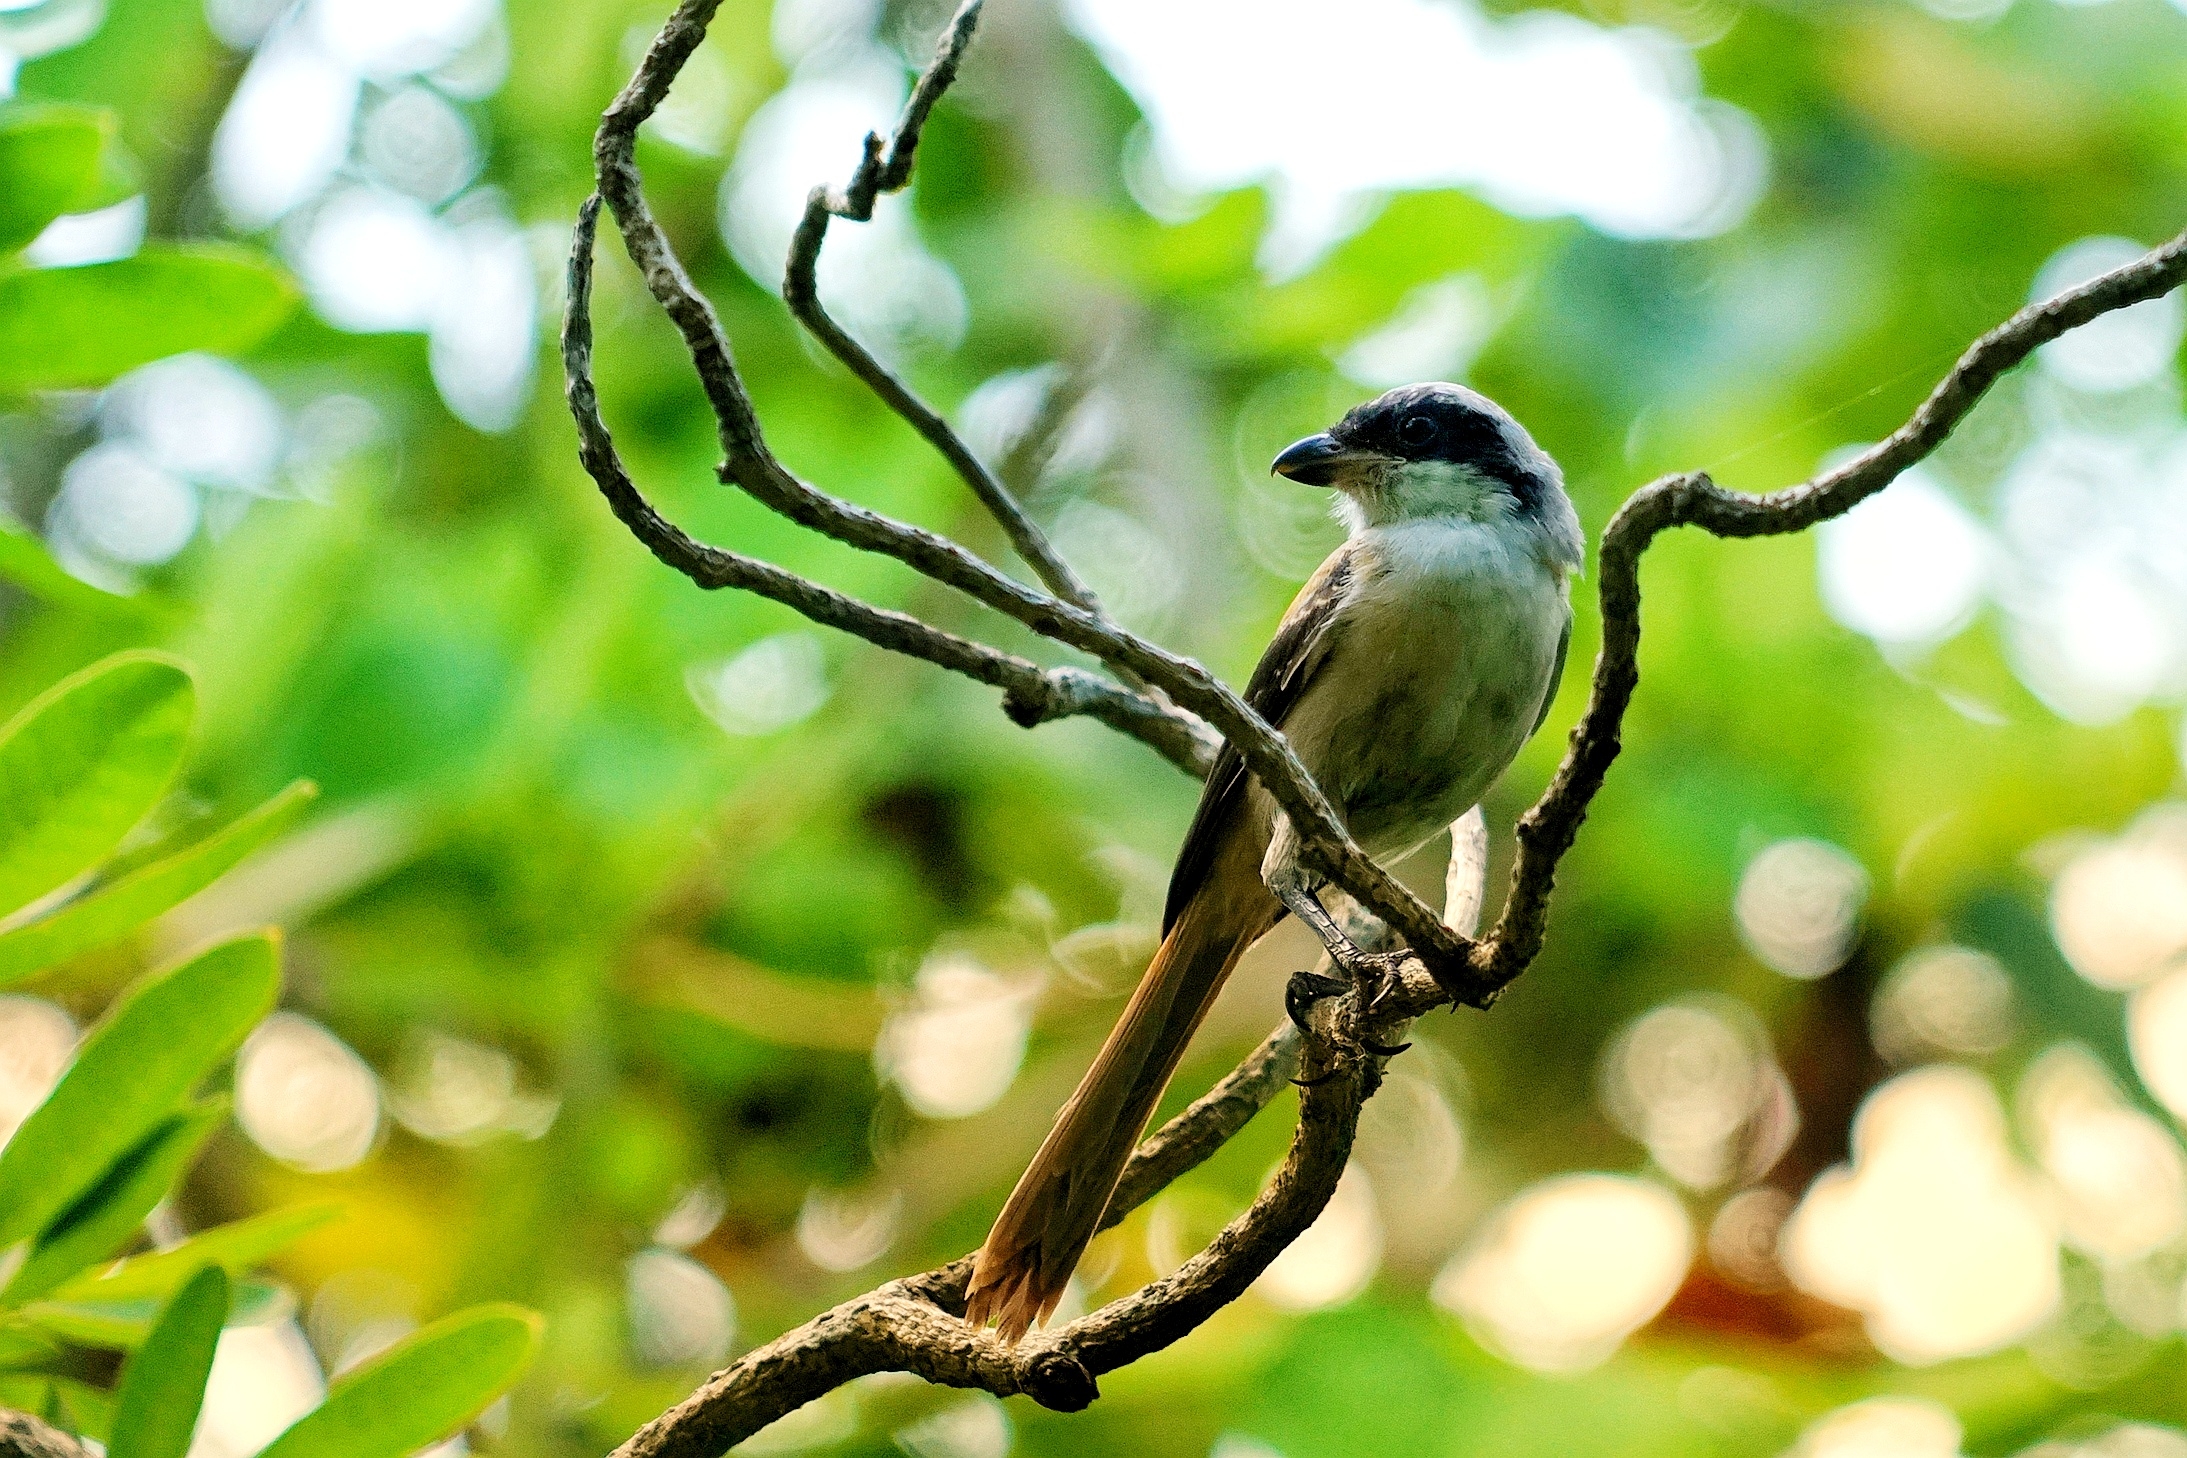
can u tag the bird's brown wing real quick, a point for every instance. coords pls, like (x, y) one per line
(1288, 665)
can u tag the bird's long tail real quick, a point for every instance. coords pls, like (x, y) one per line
(1050, 1217)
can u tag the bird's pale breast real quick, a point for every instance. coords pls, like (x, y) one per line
(1434, 679)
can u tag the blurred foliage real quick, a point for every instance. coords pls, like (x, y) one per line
(613, 886)
(82, 1174)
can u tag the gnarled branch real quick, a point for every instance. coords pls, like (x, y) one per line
(914, 1324)
(750, 465)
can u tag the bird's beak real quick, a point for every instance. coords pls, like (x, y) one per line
(1317, 460)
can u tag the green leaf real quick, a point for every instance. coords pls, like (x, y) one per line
(49, 165)
(155, 1045)
(63, 328)
(235, 1248)
(418, 1391)
(111, 1211)
(112, 912)
(25, 562)
(23, 1350)
(64, 1402)
(124, 1325)
(80, 1408)
(83, 763)
(156, 1406)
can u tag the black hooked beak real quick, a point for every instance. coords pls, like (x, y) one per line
(1314, 461)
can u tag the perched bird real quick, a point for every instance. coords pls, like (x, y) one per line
(1407, 674)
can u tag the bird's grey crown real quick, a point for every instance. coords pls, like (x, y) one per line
(1445, 422)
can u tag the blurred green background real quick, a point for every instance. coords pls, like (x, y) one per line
(677, 969)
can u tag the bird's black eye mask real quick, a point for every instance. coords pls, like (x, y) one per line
(1434, 426)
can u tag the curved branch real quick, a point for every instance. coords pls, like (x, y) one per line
(917, 1324)
(748, 463)
(894, 1327)
(1032, 695)
(1547, 830)
(886, 169)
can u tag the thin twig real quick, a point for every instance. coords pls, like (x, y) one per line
(1547, 830)
(1031, 694)
(893, 1328)
(748, 463)
(886, 168)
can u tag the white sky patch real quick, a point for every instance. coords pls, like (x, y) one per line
(392, 253)
(1905, 566)
(2095, 581)
(202, 418)
(286, 131)
(1542, 114)
(875, 277)
(119, 506)
(387, 39)
(417, 143)
(94, 237)
(485, 321)
(1434, 335)
(2114, 351)
(373, 261)
(33, 28)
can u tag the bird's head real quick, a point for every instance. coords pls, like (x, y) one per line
(1439, 450)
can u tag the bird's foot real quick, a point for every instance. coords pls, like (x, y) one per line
(1368, 987)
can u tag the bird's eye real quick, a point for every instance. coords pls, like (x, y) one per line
(1417, 430)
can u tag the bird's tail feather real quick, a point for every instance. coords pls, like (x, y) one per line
(1051, 1216)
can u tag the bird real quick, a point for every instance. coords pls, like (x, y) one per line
(1407, 674)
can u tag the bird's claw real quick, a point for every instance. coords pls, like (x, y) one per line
(1308, 987)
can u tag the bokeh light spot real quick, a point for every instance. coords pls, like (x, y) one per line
(1934, 1233)
(955, 1049)
(2119, 909)
(1798, 906)
(680, 1312)
(1571, 1267)
(1907, 565)
(1945, 999)
(1336, 1256)
(304, 1097)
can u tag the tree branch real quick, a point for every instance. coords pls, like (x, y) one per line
(1032, 695)
(914, 1324)
(885, 169)
(23, 1436)
(1547, 830)
(749, 464)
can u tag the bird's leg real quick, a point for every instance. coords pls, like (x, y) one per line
(1292, 884)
